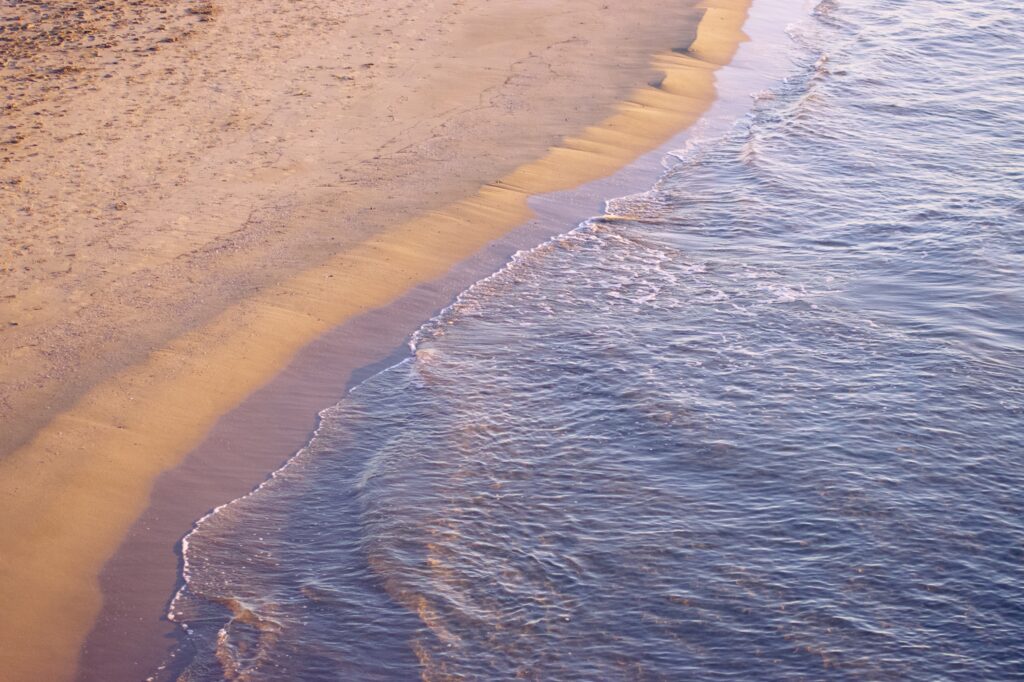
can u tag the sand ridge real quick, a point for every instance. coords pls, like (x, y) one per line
(161, 181)
(164, 185)
(71, 491)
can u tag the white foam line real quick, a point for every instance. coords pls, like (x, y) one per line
(698, 137)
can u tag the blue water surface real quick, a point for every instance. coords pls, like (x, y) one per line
(763, 422)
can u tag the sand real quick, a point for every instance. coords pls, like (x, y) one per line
(192, 193)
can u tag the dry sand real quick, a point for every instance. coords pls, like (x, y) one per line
(190, 193)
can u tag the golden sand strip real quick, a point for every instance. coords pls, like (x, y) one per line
(68, 497)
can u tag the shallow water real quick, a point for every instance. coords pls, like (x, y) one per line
(765, 421)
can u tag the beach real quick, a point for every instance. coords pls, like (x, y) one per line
(194, 193)
(757, 417)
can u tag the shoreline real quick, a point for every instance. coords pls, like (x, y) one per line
(96, 501)
(246, 444)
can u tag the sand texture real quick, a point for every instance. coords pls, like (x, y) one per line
(190, 192)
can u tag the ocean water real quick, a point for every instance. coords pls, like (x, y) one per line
(762, 422)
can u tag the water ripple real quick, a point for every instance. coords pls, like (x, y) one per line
(762, 422)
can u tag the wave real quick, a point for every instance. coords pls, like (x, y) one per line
(757, 421)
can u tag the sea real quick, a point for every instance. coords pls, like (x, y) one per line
(764, 421)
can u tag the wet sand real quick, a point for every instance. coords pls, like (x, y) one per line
(190, 282)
